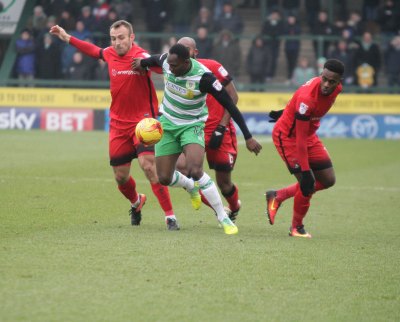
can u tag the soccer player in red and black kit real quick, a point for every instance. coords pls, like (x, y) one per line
(295, 138)
(219, 132)
(133, 98)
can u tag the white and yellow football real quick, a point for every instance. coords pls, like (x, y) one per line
(149, 131)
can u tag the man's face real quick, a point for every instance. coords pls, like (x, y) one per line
(121, 41)
(178, 66)
(329, 81)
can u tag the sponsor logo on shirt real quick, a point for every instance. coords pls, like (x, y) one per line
(115, 72)
(303, 108)
(217, 85)
(175, 88)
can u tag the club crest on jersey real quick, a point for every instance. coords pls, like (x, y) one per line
(217, 85)
(190, 85)
(303, 108)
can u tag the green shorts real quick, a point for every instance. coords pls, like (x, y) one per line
(175, 137)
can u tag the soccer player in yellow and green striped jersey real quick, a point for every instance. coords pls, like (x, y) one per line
(183, 115)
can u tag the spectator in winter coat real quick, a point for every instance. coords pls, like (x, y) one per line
(25, 63)
(257, 61)
(48, 59)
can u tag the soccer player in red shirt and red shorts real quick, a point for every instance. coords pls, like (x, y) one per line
(133, 98)
(220, 133)
(296, 141)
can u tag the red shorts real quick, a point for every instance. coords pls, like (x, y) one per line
(223, 158)
(123, 145)
(318, 156)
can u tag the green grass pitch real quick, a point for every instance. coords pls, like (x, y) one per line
(68, 252)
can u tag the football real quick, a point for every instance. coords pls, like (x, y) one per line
(149, 131)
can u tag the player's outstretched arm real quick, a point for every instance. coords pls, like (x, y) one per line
(60, 33)
(209, 84)
(144, 63)
(85, 47)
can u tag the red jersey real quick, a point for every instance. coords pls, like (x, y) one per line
(133, 95)
(310, 104)
(215, 110)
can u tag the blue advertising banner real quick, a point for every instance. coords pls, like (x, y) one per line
(19, 118)
(361, 126)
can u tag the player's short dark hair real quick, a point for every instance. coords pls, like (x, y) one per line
(335, 66)
(180, 50)
(124, 23)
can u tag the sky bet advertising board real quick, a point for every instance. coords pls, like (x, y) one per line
(362, 116)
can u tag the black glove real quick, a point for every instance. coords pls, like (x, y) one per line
(217, 137)
(275, 115)
(307, 182)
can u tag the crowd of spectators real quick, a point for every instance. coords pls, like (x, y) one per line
(368, 41)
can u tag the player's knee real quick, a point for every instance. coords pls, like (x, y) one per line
(196, 173)
(148, 170)
(164, 180)
(121, 178)
(330, 182)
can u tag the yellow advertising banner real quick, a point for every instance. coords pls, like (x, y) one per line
(248, 102)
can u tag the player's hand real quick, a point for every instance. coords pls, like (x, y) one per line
(136, 64)
(217, 137)
(275, 115)
(307, 183)
(60, 33)
(253, 146)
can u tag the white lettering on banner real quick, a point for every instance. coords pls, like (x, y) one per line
(392, 135)
(392, 120)
(13, 120)
(331, 126)
(65, 121)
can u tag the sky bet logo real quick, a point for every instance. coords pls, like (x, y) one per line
(19, 119)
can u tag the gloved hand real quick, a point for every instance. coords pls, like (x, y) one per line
(275, 115)
(307, 182)
(217, 137)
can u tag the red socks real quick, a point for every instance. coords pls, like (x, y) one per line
(300, 208)
(286, 193)
(302, 204)
(290, 191)
(162, 194)
(233, 198)
(128, 189)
